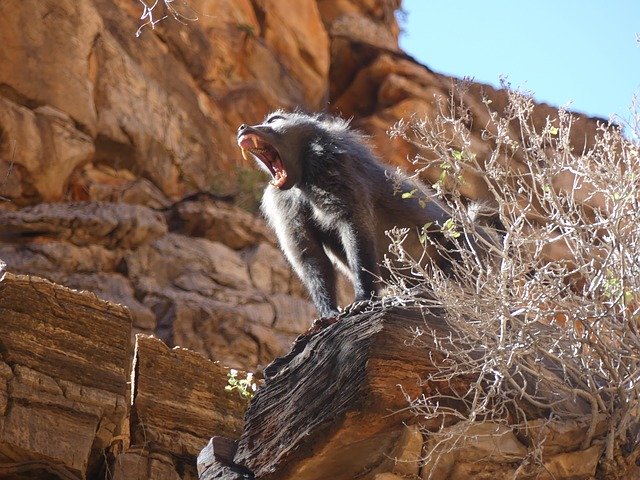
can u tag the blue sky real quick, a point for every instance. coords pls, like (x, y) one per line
(584, 51)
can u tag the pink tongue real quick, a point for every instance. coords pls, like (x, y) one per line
(246, 142)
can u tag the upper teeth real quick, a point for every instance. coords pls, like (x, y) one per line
(255, 141)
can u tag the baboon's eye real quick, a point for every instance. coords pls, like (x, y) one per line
(274, 118)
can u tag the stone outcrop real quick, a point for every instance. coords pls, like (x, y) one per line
(65, 362)
(179, 400)
(355, 379)
(80, 88)
(78, 402)
(97, 112)
(122, 132)
(188, 272)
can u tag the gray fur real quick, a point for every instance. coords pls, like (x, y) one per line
(337, 203)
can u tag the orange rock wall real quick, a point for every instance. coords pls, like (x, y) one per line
(118, 155)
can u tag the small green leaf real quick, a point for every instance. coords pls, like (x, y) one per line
(422, 235)
(457, 154)
(449, 228)
(409, 194)
(244, 386)
(553, 130)
(628, 297)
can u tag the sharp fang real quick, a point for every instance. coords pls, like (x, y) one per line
(245, 155)
(255, 141)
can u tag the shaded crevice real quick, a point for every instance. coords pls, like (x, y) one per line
(261, 16)
(115, 154)
(13, 95)
(93, 66)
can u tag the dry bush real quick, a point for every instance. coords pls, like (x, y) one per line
(544, 299)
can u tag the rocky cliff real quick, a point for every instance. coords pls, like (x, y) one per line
(79, 400)
(119, 175)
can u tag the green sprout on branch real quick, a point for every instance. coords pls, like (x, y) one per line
(449, 229)
(422, 236)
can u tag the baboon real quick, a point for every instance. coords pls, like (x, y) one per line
(331, 200)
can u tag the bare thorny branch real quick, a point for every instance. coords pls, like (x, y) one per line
(155, 11)
(545, 299)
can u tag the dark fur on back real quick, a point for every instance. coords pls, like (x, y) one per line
(337, 203)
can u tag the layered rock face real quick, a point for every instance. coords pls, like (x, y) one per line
(78, 401)
(354, 379)
(65, 366)
(239, 305)
(117, 151)
(103, 134)
(86, 101)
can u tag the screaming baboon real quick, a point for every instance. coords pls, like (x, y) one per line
(330, 199)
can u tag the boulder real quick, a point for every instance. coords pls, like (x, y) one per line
(345, 375)
(179, 398)
(42, 147)
(218, 221)
(49, 62)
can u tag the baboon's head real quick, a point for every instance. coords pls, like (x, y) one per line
(281, 142)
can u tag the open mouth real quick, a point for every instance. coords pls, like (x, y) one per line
(267, 154)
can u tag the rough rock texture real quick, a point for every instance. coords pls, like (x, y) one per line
(173, 384)
(112, 225)
(353, 379)
(237, 302)
(215, 461)
(119, 172)
(78, 86)
(65, 360)
(76, 402)
(179, 400)
(357, 367)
